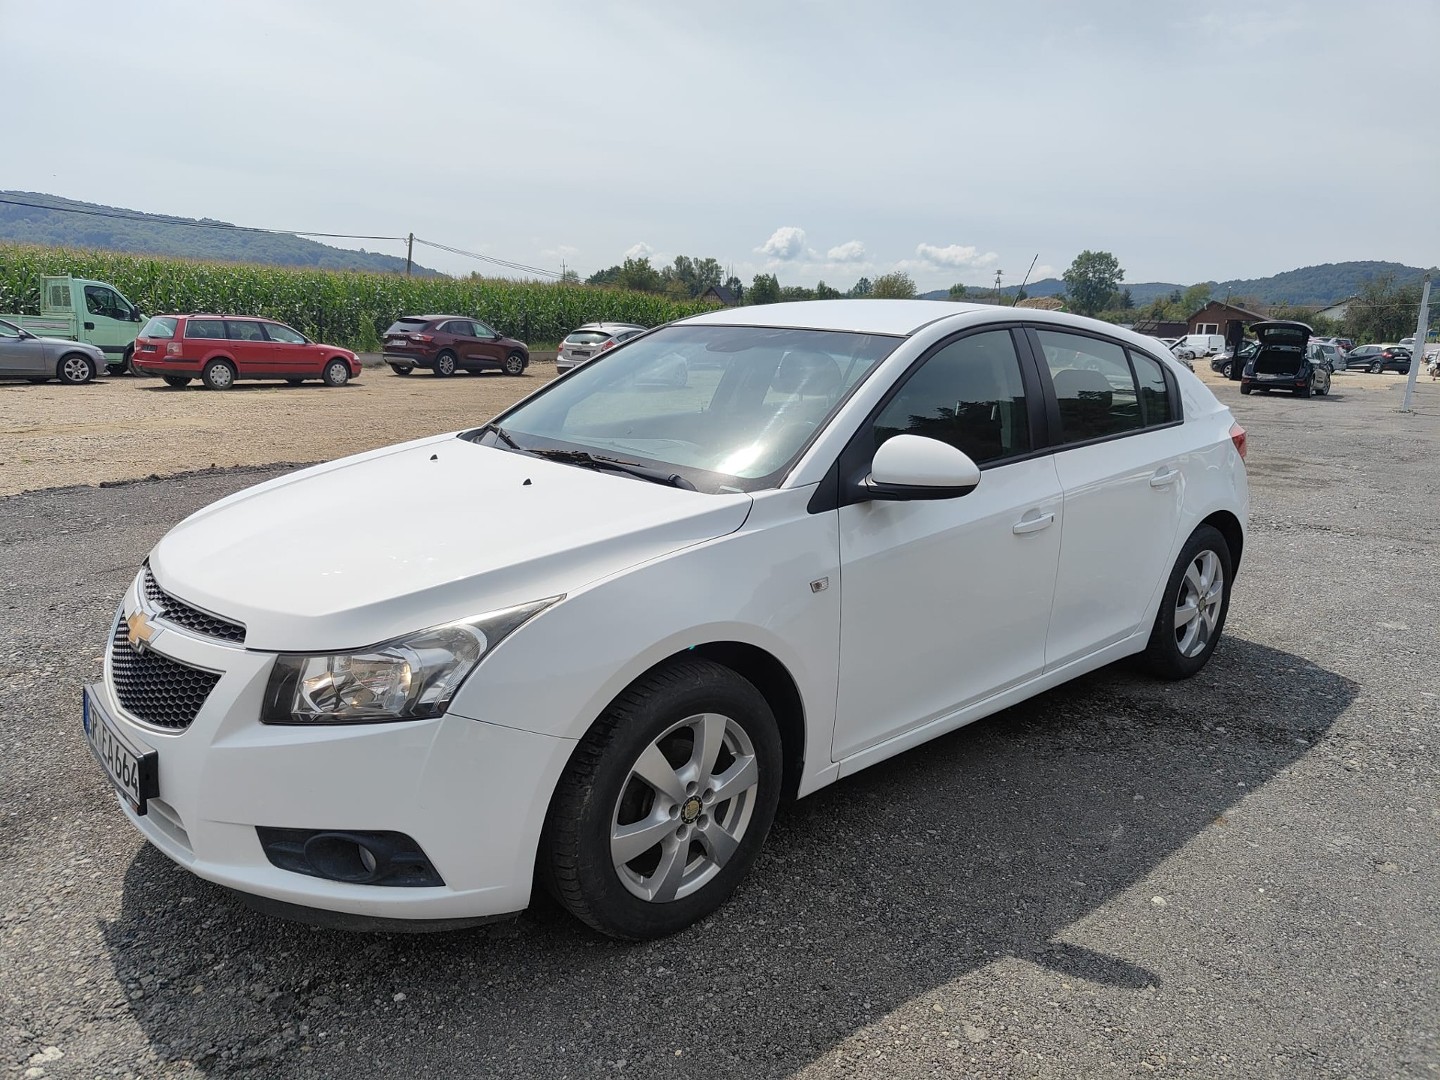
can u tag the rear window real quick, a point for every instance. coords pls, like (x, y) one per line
(159, 328)
(406, 326)
(205, 328)
(586, 337)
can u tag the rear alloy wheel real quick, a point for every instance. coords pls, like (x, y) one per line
(514, 364)
(445, 364)
(1227, 370)
(401, 369)
(1375, 368)
(337, 373)
(665, 803)
(218, 375)
(75, 369)
(1192, 608)
(177, 380)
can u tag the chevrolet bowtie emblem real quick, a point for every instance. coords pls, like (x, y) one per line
(138, 631)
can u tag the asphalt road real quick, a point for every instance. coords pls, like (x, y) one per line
(1233, 876)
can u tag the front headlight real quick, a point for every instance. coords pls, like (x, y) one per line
(409, 678)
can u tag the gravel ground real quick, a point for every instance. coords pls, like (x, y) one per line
(1235, 876)
(128, 428)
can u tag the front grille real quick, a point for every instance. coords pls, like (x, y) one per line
(182, 614)
(155, 688)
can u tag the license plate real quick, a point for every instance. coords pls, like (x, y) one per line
(133, 770)
(581, 352)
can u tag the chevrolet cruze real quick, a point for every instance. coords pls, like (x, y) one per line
(594, 642)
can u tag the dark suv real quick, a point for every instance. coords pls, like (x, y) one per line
(449, 343)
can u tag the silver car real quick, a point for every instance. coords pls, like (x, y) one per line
(41, 359)
(592, 339)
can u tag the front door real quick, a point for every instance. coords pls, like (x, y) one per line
(110, 322)
(1119, 461)
(487, 343)
(21, 355)
(947, 602)
(290, 353)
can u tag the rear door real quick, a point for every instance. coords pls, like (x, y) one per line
(1120, 448)
(250, 349)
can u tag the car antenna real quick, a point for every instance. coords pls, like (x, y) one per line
(1025, 279)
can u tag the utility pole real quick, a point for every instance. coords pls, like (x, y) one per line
(1417, 352)
(409, 252)
(998, 273)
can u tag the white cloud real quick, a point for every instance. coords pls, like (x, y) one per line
(848, 252)
(786, 242)
(641, 250)
(957, 256)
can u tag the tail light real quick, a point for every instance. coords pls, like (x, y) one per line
(1237, 436)
(172, 349)
(607, 345)
(423, 339)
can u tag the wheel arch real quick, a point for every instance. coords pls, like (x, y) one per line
(1228, 525)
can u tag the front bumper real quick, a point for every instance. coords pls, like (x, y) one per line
(472, 794)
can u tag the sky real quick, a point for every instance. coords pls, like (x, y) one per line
(951, 140)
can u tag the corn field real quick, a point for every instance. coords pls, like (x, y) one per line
(341, 308)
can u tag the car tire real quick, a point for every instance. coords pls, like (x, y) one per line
(1192, 607)
(687, 870)
(337, 373)
(445, 364)
(1227, 369)
(401, 369)
(75, 369)
(514, 364)
(124, 367)
(1244, 389)
(177, 380)
(1375, 369)
(218, 375)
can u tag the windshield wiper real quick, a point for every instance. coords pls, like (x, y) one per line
(587, 460)
(504, 437)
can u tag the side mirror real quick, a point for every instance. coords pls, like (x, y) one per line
(915, 467)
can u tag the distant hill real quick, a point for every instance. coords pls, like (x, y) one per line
(157, 234)
(1308, 286)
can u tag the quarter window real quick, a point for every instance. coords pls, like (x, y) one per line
(1094, 385)
(970, 395)
(1155, 403)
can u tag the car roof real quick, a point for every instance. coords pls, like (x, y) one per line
(900, 317)
(609, 326)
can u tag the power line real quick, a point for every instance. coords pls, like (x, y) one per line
(522, 267)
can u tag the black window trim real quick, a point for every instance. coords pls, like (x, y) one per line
(191, 320)
(1056, 442)
(840, 484)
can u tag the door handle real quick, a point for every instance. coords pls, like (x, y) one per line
(1164, 478)
(89, 326)
(1031, 525)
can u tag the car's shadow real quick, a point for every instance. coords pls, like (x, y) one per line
(988, 843)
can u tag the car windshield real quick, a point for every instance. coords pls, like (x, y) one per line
(724, 407)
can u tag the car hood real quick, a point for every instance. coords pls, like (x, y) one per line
(68, 343)
(364, 549)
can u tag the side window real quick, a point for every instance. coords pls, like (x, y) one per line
(481, 330)
(204, 328)
(278, 332)
(240, 330)
(1094, 385)
(970, 395)
(102, 301)
(461, 327)
(1155, 401)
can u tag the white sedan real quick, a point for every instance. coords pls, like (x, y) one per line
(602, 636)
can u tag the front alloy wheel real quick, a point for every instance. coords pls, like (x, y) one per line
(76, 369)
(665, 803)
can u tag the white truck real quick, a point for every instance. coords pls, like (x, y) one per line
(1204, 344)
(89, 311)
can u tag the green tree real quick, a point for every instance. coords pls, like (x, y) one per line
(736, 287)
(1092, 280)
(765, 289)
(1126, 301)
(861, 287)
(639, 275)
(957, 291)
(609, 276)
(826, 292)
(894, 286)
(1382, 311)
(796, 292)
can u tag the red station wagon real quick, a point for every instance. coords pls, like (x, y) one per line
(218, 349)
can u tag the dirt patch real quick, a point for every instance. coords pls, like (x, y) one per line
(128, 428)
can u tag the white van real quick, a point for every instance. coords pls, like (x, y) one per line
(1204, 344)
